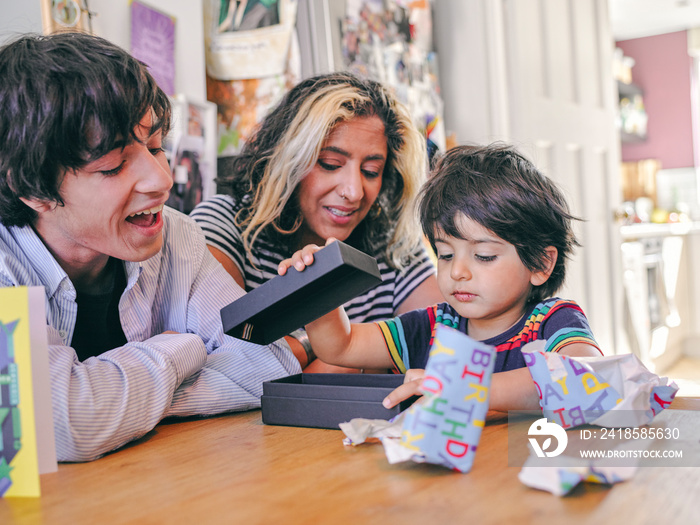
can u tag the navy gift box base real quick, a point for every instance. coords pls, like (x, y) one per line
(325, 400)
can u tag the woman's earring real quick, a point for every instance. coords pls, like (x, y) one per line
(375, 211)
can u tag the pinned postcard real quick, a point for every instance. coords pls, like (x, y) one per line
(153, 43)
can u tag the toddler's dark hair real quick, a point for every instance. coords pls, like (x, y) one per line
(501, 190)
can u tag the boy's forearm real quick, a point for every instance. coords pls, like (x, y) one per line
(330, 335)
(513, 390)
(356, 345)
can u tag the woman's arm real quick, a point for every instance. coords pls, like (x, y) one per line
(228, 265)
(295, 346)
(334, 339)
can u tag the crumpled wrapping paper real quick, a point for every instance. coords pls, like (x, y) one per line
(445, 426)
(571, 471)
(614, 391)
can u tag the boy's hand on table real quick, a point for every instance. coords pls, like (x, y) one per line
(301, 258)
(410, 387)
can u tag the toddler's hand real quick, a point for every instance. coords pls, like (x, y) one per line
(301, 258)
(410, 387)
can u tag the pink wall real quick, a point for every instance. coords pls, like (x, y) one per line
(663, 70)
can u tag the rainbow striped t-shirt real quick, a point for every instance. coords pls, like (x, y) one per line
(409, 336)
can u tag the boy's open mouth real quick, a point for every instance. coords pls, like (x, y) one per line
(145, 218)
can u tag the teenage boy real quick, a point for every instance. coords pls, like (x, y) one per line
(132, 293)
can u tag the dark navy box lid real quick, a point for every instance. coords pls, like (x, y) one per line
(287, 302)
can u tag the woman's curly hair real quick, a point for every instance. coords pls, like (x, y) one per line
(266, 174)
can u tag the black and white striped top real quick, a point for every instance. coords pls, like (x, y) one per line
(216, 217)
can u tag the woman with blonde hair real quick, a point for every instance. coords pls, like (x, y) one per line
(338, 157)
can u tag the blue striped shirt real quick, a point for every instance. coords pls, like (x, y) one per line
(108, 400)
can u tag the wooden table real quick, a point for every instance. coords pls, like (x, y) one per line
(234, 469)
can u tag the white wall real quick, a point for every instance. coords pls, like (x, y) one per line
(469, 68)
(113, 22)
(537, 74)
(18, 18)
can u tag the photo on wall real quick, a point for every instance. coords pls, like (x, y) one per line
(65, 15)
(391, 41)
(252, 59)
(191, 151)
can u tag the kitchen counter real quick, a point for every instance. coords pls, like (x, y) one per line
(655, 263)
(645, 230)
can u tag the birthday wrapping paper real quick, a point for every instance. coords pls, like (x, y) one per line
(445, 427)
(570, 472)
(615, 391)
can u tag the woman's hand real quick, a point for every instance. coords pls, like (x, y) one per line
(410, 387)
(301, 258)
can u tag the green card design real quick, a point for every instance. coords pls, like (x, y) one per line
(19, 468)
